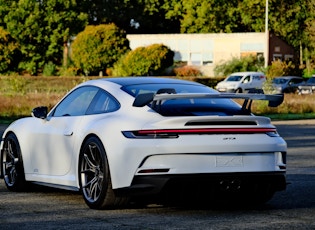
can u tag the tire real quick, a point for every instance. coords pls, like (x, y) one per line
(262, 194)
(239, 90)
(12, 164)
(94, 176)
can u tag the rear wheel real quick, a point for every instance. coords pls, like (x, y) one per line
(95, 180)
(259, 195)
(12, 164)
(264, 193)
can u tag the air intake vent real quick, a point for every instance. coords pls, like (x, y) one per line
(227, 123)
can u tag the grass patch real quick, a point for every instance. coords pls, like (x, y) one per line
(280, 116)
(19, 95)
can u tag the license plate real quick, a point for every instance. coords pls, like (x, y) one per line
(229, 161)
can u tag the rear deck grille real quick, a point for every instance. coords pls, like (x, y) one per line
(222, 123)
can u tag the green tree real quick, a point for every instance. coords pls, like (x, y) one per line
(307, 44)
(9, 52)
(134, 16)
(287, 20)
(252, 15)
(151, 16)
(98, 47)
(205, 16)
(42, 28)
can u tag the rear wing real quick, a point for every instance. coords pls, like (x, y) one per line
(274, 100)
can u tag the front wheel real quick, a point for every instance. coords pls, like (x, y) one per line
(95, 180)
(12, 164)
(239, 90)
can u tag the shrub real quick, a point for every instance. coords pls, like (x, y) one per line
(16, 85)
(307, 73)
(9, 52)
(161, 57)
(152, 60)
(69, 71)
(49, 69)
(185, 71)
(209, 81)
(281, 68)
(247, 63)
(98, 48)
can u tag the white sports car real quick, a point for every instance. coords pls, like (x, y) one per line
(118, 139)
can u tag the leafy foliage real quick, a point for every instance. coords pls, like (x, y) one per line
(184, 71)
(203, 16)
(247, 63)
(279, 68)
(98, 47)
(42, 28)
(134, 16)
(9, 52)
(144, 61)
(50, 69)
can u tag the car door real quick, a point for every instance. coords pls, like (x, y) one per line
(247, 82)
(257, 81)
(293, 85)
(56, 135)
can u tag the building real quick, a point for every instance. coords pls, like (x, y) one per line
(205, 51)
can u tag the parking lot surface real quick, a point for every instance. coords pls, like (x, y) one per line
(46, 208)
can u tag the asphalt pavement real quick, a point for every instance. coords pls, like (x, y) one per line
(294, 208)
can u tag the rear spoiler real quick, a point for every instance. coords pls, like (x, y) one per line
(146, 98)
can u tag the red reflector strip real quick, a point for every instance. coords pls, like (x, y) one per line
(206, 131)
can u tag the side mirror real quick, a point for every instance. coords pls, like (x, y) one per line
(40, 112)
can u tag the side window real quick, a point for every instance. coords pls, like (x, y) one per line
(103, 103)
(76, 103)
(246, 79)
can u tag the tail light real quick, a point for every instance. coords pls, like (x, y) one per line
(174, 133)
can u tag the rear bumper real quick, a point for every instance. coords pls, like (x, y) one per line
(206, 183)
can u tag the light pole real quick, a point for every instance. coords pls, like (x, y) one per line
(267, 36)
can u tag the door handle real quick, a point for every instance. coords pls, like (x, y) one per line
(68, 133)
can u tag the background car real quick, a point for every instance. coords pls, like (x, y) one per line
(308, 87)
(117, 139)
(287, 84)
(241, 82)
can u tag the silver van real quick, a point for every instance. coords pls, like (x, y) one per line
(241, 82)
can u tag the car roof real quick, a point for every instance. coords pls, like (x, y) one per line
(289, 77)
(248, 72)
(124, 81)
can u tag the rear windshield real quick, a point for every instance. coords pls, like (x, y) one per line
(188, 107)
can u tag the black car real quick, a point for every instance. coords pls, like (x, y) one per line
(308, 87)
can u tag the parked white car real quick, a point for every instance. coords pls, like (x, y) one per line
(241, 82)
(140, 137)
